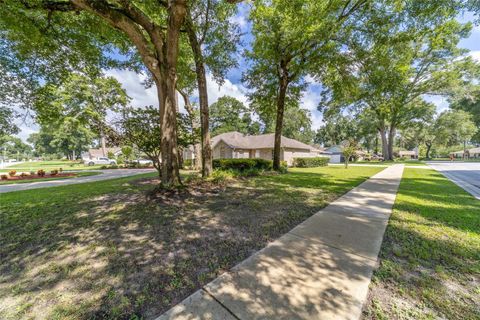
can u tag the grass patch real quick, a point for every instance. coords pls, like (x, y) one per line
(78, 174)
(430, 256)
(389, 162)
(105, 250)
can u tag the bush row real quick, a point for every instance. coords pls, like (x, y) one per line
(310, 162)
(243, 164)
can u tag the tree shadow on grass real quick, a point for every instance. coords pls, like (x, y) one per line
(116, 254)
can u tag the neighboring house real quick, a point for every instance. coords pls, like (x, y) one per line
(471, 153)
(336, 155)
(408, 154)
(97, 153)
(237, 145)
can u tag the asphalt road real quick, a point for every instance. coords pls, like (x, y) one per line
(104, 175)
(464, 174)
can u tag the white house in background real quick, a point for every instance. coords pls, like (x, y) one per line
(409, 154)
(237, 145)
(335, 153)
(98, 153)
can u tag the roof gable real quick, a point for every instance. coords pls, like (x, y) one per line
(240, 141)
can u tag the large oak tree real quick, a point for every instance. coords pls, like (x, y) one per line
(290, 36)
(47, 38)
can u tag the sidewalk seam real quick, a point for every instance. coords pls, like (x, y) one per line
(220, 303)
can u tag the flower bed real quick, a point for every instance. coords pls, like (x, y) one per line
(6, 177)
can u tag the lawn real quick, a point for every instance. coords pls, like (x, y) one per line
(389, 163)
(430, 257)
(49, 165)
(78, 174)
(107, 250)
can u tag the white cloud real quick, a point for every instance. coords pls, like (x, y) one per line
(440, 102)
(132, 83)
(475, 55)
(310, 101)
(228, 88)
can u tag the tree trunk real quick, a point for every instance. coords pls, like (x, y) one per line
(391, 140)
(282, 92)
(191, 114)
(102, 142)
(383, 136)
(202, 97)
(167, 95)
(429, 146)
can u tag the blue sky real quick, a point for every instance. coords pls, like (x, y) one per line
(234, 87)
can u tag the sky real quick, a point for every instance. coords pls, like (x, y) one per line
(233, 86)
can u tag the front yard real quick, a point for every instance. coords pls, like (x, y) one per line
(106, 250)
(430, 257)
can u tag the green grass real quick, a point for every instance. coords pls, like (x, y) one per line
(389, 163)
(50, 165)
(78, 174)
(430, 257)
(106, 250)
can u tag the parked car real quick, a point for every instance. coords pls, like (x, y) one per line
(100, 160)
(144, 162)
(377, 157)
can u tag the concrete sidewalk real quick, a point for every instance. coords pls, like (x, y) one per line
(321, 269)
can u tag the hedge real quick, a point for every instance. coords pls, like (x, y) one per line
(310, 162)
(242, 164)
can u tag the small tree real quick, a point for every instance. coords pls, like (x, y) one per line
(141, 128)
(349, 148)
(127, 152)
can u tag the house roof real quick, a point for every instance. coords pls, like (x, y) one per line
(334, 149)
(99, 153)
(471, 151)
(238, 140)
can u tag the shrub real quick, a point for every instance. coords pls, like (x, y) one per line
(53, 172)
(4, 177)
(41, 173)
(113, 166)
(242, 164)
(188, 163)
(23, 174)
(32, 173)
(103, 167)
(221, 176)
(12, 173)
(310, 162)
(60, 170)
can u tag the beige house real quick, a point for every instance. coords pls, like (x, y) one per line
(237, 145)
(471, 153)
(408, 154)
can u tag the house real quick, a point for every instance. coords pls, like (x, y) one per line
(237, 145)
(97, 153)
(336, 155)
(409, 154)
(471, 153)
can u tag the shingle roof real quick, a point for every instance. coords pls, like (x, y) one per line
(471, 151)
(99, 152)
(238, 140)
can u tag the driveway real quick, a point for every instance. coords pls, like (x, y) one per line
(464, 174)
(104, 175)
